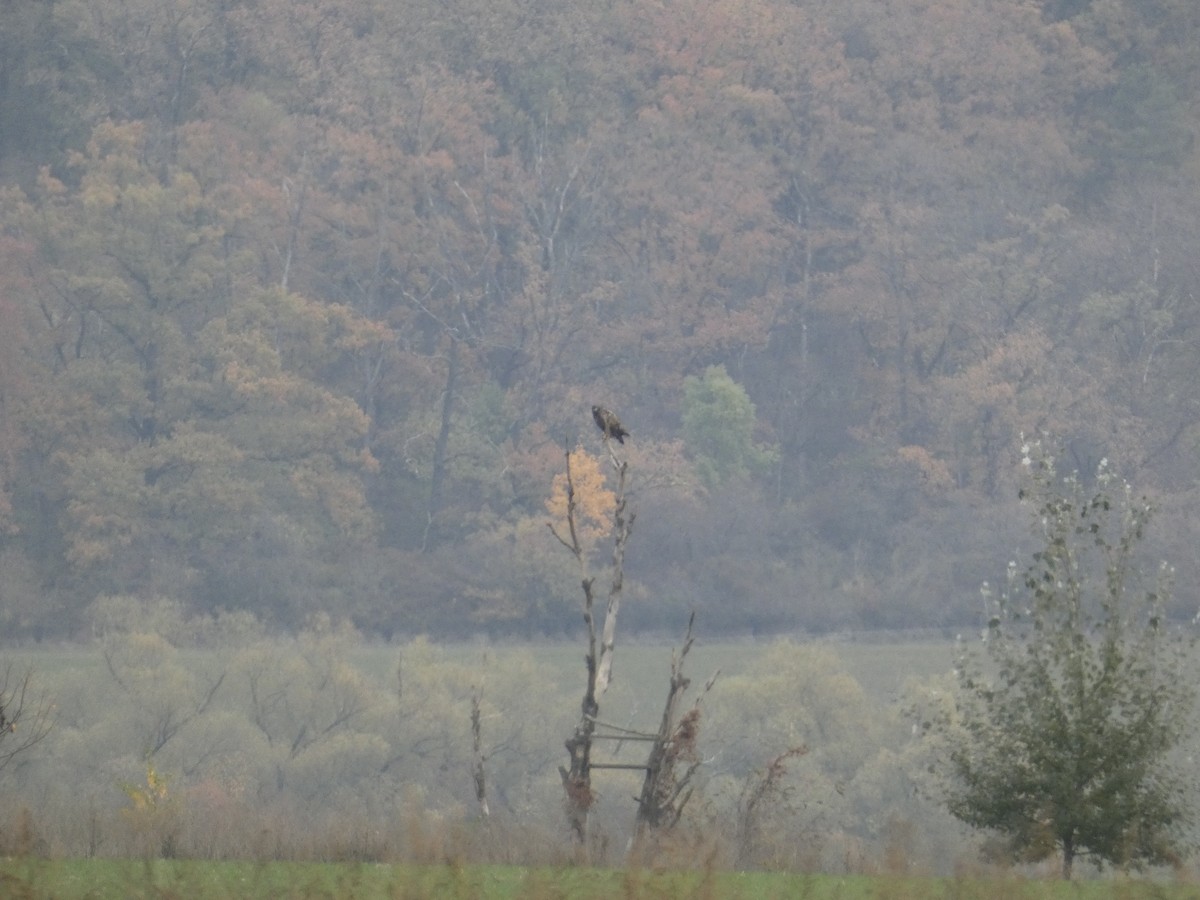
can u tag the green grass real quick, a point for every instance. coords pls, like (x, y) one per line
(194, 880)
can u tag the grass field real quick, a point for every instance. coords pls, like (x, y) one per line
(131, 880)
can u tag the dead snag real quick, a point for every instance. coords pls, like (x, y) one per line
(478, 760)
(577, 776)
(674, 759)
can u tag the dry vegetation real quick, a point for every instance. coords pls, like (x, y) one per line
(323, 748)
(101, 879)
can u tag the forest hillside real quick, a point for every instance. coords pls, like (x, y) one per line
(301, 301)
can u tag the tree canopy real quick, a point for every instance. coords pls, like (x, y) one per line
(1062, 741)
(300, 301)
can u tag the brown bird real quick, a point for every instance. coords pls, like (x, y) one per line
(607, 421)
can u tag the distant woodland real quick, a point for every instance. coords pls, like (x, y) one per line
(301, 301)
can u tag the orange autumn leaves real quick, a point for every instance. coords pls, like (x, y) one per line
(594, 502)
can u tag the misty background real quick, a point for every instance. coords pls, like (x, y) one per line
(303, 301)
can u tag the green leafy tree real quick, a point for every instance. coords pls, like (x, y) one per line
(1061, 738)
(718, 424)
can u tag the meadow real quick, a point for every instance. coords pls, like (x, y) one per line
(132, 880)
(325, 764)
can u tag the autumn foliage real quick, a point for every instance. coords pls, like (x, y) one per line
(299, 301)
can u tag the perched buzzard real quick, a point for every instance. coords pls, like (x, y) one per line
(607, 421)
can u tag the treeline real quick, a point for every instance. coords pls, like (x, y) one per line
(300, 302)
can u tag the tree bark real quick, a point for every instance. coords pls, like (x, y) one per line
(665, 791)
(478, 770)
(577, 777)
(1068, 857)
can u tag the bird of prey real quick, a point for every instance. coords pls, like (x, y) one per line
(607, 421)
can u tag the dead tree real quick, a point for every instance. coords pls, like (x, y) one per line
(577, 777)
(673, 760)
(478, 757)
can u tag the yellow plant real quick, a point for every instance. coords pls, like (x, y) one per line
(594, 503)
(153, 811)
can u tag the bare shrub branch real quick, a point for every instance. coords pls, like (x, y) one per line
(26, 716)
(674, 759)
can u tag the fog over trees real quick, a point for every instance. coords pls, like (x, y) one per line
(301, 302)
(304, 303)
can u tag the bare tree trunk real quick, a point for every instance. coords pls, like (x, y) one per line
(295, 215)
(478, 757)
(665, 792)
(1068, 857)
(577, 777)
(621, 528)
